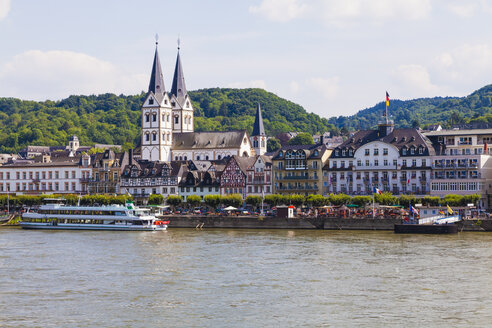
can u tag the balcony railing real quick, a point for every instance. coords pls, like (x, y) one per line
(297, 177)
(283, 188)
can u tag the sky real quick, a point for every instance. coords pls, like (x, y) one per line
(333, 57)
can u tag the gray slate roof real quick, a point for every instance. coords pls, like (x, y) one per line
(208, 140)
(178, 88)
(156, 85)
(258, 129)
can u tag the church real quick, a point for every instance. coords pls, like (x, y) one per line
(167, 125)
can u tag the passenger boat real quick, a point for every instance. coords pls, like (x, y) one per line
(56, 215)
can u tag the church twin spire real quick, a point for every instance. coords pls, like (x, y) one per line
(156, 84)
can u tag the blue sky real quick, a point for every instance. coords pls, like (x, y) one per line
(334, 57)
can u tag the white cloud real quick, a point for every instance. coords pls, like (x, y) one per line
(463, 9)
(327, 87)
(345, 12)
(294, 87)
(38, 75)
(279, 10)
(415, 80)
(472, 63)
(249, 84)
(4, 8)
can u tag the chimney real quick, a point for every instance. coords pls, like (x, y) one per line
(130, 155)
(321, 139)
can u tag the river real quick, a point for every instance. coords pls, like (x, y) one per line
(244, 278)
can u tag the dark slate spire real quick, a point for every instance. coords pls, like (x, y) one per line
(258, 129)
(178, 88)
(156, 84)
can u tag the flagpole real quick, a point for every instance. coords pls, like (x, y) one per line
(373, 207)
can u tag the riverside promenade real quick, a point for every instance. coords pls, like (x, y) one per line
(326, 223)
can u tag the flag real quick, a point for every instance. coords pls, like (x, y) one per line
(408, 181)
(387, 99)
(450, 211)
(376, 191)
(441, 212)
(414, 210)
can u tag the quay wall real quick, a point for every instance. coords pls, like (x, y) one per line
(327, 223)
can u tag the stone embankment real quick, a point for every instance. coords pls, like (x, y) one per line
(326, 223)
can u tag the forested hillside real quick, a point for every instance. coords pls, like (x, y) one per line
(476, 107)
(115, 119)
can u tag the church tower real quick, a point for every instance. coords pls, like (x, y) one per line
(157, 120)
(258, 137)
(180, 101)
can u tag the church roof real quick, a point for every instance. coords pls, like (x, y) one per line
(208, 140)
(258, 129)
(156, 85)
(178, 88)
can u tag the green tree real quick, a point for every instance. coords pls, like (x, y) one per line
(272, 200)
(213, 201)
(339, 199)
(235, 200)
(302, 138)
(193, 200)
(297, 200)
(174, 201)
(361, 200)
(316, 200)
(156, 199)
(254, 201)
(385, 198)
(273, 144)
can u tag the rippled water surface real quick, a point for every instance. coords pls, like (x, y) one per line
(244, 278)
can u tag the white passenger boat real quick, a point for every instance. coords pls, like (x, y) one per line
(112, 217)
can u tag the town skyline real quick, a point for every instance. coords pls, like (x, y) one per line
(333, 58)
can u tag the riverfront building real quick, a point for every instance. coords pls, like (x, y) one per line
(393, 160)
(462, 164)
(46, 174)
(298, 169)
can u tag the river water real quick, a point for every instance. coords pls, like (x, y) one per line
(244, 278)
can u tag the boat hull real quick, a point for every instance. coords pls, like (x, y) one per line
(108, 227)
(426, 228)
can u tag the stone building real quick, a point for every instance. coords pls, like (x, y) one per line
(298, 169)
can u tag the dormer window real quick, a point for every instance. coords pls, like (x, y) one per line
(421, 150)
(337, 153)
(351, 152)
(412, 151)
(151, 101)
(404, 151)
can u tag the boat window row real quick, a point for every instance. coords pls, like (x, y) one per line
(83, 212)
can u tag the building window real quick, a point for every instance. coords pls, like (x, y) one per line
(147, 118)
(385, 151)
(154, 136)
(147, 137)
(154, 117)
(366, 152)
(176, 119)
(376, 151)
(151, 101)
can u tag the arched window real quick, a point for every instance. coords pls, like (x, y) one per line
(198, 158)
(147, 136)
(154, 117)
(154, 136)
(176, 119)
(147, 118)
